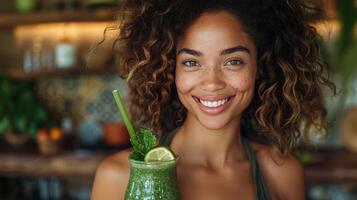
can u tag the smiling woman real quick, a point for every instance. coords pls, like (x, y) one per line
(227, 85)
(216, 65)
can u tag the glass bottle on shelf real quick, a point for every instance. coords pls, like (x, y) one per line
(67, 126)
(27, 60)
(32, 55)
(65, 51)
(47, 55)
(36, 53)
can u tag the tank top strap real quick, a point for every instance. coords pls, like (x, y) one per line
(261, 191)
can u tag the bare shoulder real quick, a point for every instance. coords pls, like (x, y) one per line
(283, 175)
(111, 177)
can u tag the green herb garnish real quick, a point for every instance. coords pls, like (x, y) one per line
(142, 141)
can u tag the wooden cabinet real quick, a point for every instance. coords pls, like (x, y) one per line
(14, 19)
(10, 22)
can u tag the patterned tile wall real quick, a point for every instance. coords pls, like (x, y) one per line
(91, 101)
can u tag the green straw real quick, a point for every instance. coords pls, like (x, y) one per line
(123, 112)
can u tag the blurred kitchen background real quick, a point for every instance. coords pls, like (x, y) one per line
(58, 119)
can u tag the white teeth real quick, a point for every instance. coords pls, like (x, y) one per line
(213, 104)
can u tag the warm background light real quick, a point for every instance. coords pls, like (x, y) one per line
(93, 40)
(328, 29)
(79, 33)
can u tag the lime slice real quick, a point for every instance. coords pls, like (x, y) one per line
(159, 154)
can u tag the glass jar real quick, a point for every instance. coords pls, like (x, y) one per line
(152, 181)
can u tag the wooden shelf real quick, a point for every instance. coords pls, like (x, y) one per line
(21, 75)
(68, 164)
(14, 19)
(338, 166)
(26, 161)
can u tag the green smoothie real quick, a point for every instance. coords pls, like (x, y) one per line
(152, 181)
(152, 168)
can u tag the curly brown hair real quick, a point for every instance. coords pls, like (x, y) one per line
(288, 95)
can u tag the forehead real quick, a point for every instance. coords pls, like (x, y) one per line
(214, 28)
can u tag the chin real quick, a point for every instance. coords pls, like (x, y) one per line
(215, 124)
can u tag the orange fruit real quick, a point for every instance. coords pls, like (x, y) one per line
(56, 133)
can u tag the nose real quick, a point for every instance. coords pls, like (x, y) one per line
(213, 80)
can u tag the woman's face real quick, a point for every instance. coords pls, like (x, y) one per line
(216, 66)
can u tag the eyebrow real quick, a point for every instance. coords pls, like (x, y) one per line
(223, 52)
(234, 49)
(189, 51)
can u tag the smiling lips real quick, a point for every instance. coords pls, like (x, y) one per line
(213, 106)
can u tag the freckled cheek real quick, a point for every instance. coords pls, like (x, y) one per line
(243, 84)
(184, 84)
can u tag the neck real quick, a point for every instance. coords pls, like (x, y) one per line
(213, 148)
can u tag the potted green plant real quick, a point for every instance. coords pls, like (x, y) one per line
(340, 53)
(21, 113)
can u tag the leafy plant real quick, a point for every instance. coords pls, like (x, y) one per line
(342, 54)
(20, 110)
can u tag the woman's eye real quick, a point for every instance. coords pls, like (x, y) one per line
(190, 63)
(234, 62)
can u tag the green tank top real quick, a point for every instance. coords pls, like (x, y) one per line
(261, 191)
